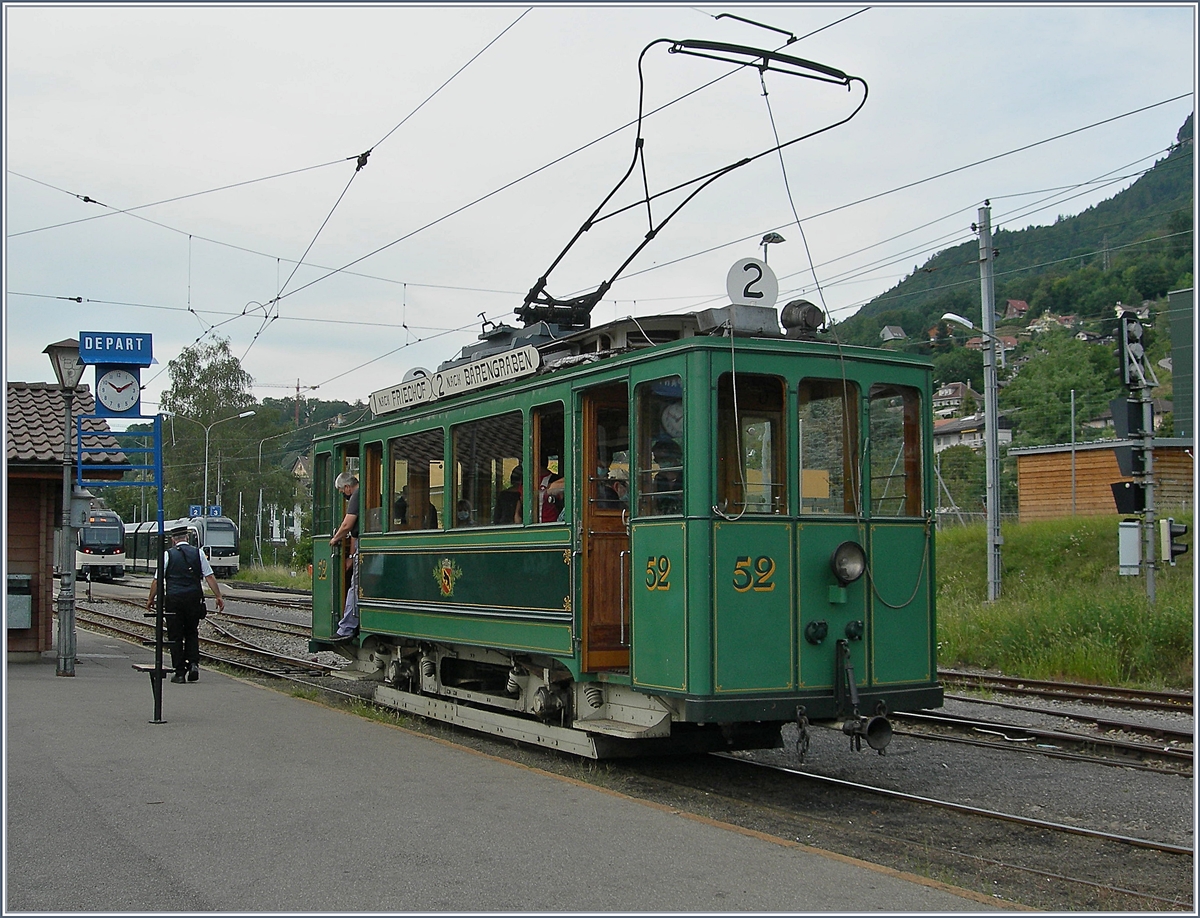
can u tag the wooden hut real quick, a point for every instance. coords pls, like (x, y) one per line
(1044, 478)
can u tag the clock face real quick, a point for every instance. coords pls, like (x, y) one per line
(672, 420)
(118, 390)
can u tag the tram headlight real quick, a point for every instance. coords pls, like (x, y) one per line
(848, 562)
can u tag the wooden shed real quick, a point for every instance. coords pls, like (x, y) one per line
(1044, 478)
(34, 453)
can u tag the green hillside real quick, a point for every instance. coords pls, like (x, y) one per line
(1132, 247)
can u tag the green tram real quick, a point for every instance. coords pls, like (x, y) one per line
(661, 534)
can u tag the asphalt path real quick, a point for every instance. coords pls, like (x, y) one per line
(249, 799)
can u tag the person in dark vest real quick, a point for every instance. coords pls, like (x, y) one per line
(185, 568)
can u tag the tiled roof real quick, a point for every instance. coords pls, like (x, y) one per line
(34, 412)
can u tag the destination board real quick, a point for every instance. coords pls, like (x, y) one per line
(467, 377)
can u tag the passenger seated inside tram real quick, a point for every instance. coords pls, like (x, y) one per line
(550, 496)
(614, 490)
(463, 514)
(508, 503)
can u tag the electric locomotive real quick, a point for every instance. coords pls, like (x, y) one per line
(100, 552)
(660, 534)
(216, 536)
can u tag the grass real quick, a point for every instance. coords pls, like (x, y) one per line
(275, 576)
(1064, 612)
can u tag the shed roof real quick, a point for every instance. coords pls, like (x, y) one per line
(34, 431)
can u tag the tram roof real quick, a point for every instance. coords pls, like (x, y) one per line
(562, 348)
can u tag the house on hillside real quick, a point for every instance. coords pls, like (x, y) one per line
(1104, 420)
(969, 431)
(948, 399)
(1016, 309)
(1007, 343)
(891, 333)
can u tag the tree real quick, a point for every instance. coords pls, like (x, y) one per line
(209, 389)
(207, 381)
(1040, 395)
(959, 365)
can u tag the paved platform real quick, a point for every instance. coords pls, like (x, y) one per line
(252, 800)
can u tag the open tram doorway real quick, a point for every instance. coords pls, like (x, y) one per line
(341, 556)
(605, 530)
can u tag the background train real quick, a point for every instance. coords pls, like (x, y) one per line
(100, 552)
(661, 534)
(216, 536)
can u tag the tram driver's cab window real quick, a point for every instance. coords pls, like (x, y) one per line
(418, 480)
(896, 449)
(828, 414)
(660, 426)
(750, 444)
(486, 459)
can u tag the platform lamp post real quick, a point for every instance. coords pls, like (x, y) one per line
(991, 452)
(68, 369)
(769, 239)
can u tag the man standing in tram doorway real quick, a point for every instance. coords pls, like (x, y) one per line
(348, 485)
(185, 568)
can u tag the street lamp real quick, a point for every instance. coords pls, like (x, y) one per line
(770, 239)
(991, 453)
(68, 369)
(207, 429)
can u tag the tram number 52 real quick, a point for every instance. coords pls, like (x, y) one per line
(658, 569)
(754, 576)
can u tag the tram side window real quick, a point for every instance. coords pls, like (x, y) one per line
(660, 424)
(750, 444)
(487, 461)
(418, 480)
(895, 418)
(371, 487)
(828, 445)
(548, 484)
(322, 495)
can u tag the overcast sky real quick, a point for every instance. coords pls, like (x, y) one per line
(221, 144)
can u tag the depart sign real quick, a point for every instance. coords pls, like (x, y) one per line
(467, 377)
(134, 348)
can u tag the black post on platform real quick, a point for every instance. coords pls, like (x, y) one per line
(159, 604)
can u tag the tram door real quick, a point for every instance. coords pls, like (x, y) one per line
(605, 519)
(341, 555)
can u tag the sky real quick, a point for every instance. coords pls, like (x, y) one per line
(192, 171)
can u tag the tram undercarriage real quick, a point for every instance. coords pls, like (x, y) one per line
(534, 699)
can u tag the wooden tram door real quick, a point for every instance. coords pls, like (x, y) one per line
(605, 530)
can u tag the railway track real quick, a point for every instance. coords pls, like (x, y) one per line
(955, 847)
(1108, 696)
(234, 650)
(1097, 748)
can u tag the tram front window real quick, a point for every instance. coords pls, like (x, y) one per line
(895, 451)
(750, 446)
(828, 446)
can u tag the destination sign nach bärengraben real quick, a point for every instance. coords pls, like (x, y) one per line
(489, 371)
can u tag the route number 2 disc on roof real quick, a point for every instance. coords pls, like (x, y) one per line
(751, 282)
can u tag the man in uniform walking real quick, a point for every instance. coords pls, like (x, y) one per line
(185, 568)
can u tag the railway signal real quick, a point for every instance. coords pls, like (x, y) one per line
(1168, 532)
(1131, 352)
